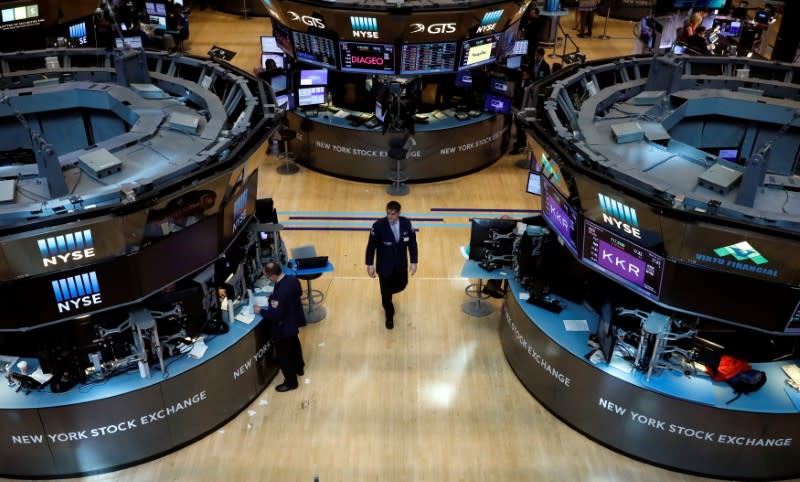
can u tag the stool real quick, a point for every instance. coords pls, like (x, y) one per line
(474, 307)
(398, 177)
(525, 161)
(288, 165)
(312, 298)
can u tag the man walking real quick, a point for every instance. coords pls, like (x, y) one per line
(394, 240)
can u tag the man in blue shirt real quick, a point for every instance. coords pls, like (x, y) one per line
(394, 241)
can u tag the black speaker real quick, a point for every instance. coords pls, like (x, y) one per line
(265, 211)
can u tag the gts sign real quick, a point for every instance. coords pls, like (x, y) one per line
(306, 19)
(434, 28)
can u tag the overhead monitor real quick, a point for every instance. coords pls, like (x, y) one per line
(286, 101)
(308, 96)
(283, 37)
(497, 103)
(428, 58)
(534, 184)
(310, 77)
(280, 61)
(150, 8)
(479, 51)
(366, 57)
(622, 260)
(560, 214)
(161, 9)
(315, 50)
(270, 44)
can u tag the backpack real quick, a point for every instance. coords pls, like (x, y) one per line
(737, 373)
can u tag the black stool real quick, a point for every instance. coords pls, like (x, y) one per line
(288, 165)
(398, 187)
(313, 298)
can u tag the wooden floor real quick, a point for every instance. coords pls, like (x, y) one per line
(433, 400)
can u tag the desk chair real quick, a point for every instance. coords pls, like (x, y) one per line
(313, 298)
(287, 158)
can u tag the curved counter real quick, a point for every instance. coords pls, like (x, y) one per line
(127, 419)
(442, 148)
(679, 422)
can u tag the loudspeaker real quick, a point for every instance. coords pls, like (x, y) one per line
(265, 211)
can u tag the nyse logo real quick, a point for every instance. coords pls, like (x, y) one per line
(434, 28)
(619, 216)
(306, 19)
(76, 292)
(489, 21)
(68, 247)
(240, 210)
(364, 27)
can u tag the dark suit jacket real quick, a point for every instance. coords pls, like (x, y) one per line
(392, 255)
(285, 308)
(540, 73)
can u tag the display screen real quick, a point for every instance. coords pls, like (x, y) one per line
(364, 57)
(560, 215)
(314, 49)
(159, 20)
(464, 78)
(514, 62)
(534, 184)
(428, 58)
(286, 101)
(150, 8)
(622, 259)
(314, 77)
(730, 155)
(727, 28)
(310, 96)
(278, 82)
(269, 44)
(509, 39)
(762, 16)
(280, 62)
(133, 42)
(497, 103)
(502, 87)
(479, 51)
(283, 37)
(161, 9)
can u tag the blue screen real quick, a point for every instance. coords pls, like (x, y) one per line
(496, 103)
(464, 78)
(314, 77)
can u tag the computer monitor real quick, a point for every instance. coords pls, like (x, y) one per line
(428, 58)
(313, 77)
(534, 184)
(520, 47)
(150, 8)
(313, 49)
(279, 82)
(497, 104)
(133, 42)
(491, 238)
(501, 87)
(514, 62)
(286, 101)
(161, 9)
(730, 155)
(366, 57)
(308, 96)
(237, 281)
(283, 37)
(762, 17)
(679, 49)
(379, 113)
(606, 337)
(479, 51)
(269, 44)
(159, 21)
(464, 78)
(280, 60)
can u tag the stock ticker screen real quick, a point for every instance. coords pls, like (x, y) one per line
(479, 51)
(623, 260)
(367, 57)
(559, 214)
(313, 49)
(428, 58)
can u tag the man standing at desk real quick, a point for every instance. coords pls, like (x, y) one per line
(285, 312)
(394, 240)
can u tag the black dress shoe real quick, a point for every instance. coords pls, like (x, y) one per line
(285, 388)
(300, 372)
(389, 324)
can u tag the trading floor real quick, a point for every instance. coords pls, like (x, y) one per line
(432, 400)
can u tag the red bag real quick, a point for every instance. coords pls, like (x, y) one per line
(729, 366)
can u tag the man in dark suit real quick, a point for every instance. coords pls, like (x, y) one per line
(539, 68)
(285, 312)
(394, 240)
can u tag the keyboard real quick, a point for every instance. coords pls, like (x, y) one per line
(462, 116)
(440, 115)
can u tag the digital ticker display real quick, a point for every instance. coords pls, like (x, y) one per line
(559, 214)
(428, 58)
(479, 51)
(367, 57)
(622, 259)
(314, 49)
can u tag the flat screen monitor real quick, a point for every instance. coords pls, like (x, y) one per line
(379, 113)
(479, 51)
(762, 17)
(560, 215)
(78, 32)
(270, 44)
(679, 49)
(491, 240)
(464, 78)
(8, 15)
(622, 260)
(280, 61)
(501, 87)
(315, 50)
(161, 9)
(286, 101)
(150, 8)
(283, 37)
(497, 103)
(133, 42)
(605, 332)
(428, 58)
(159, 21)
(308, 96)
(514, 62)
(313, 77)
(279, 82)
(366, 57)
(727, 27)
(510, 38)
(520, 47)
(534, 184)
(730, 155)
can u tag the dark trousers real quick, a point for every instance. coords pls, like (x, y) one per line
(391, 284)
(290, 358)
(588, 22)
